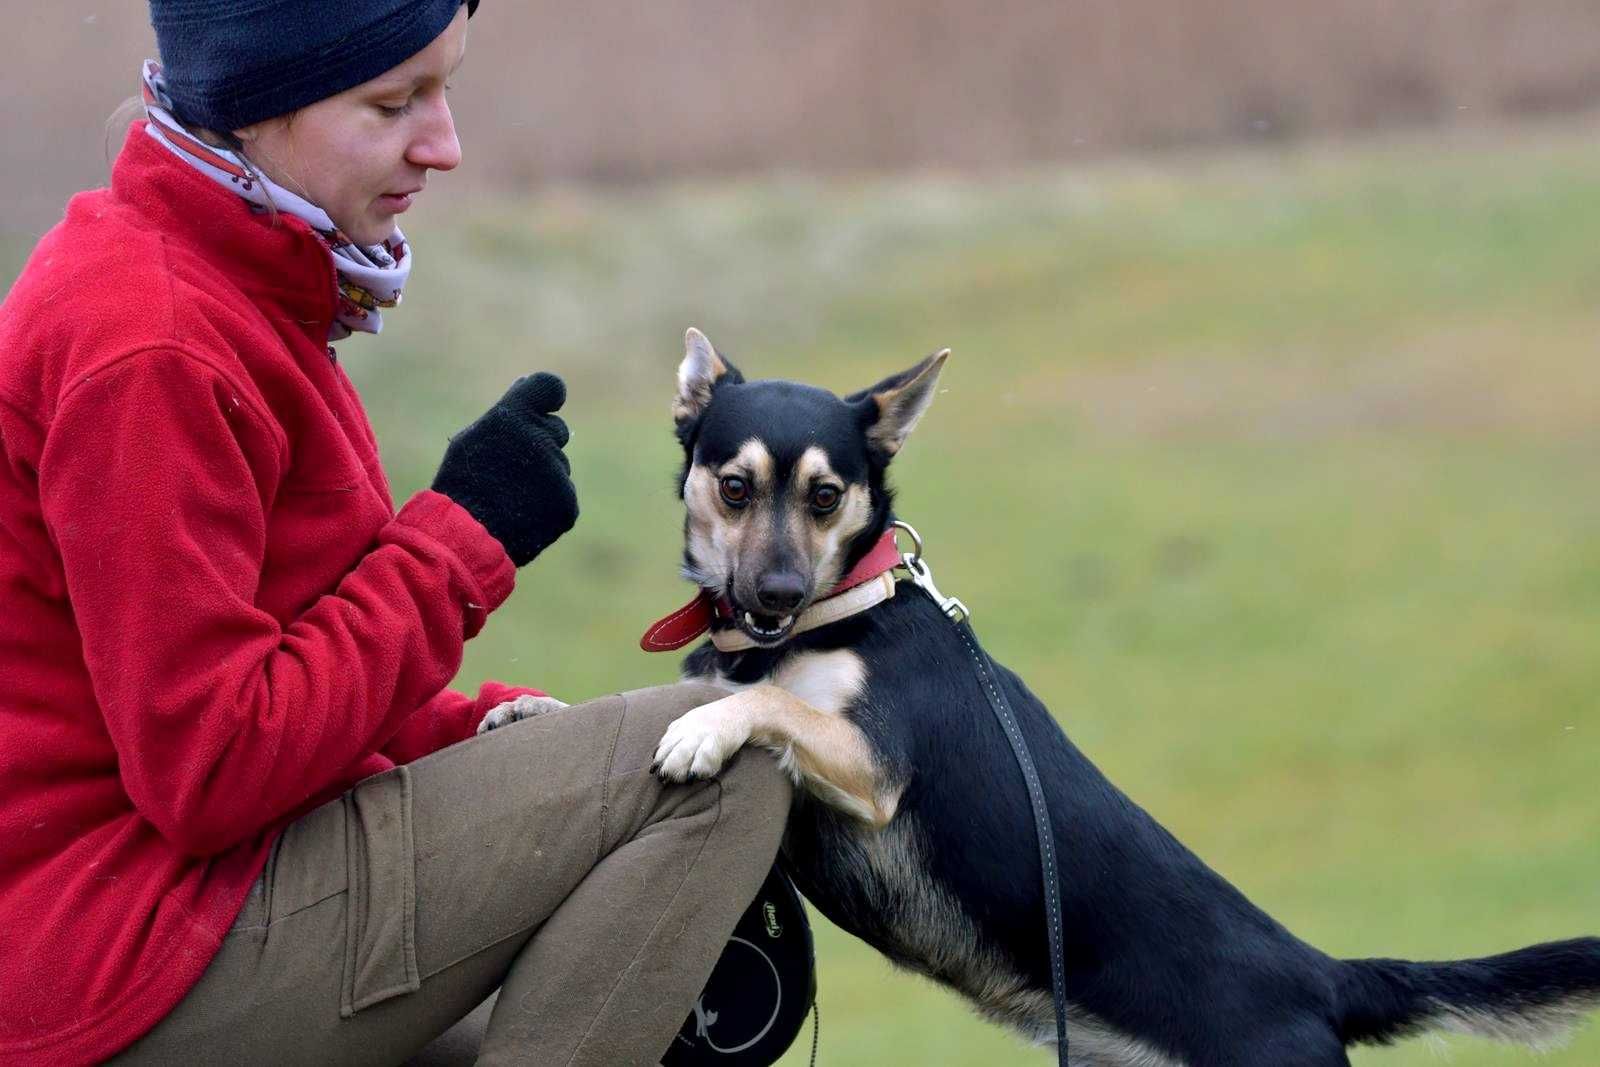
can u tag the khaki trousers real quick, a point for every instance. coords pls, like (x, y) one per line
(542, 858)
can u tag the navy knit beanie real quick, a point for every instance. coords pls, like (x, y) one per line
(228, 64)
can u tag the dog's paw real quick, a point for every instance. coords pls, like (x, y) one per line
(524, 707)
(696, 745)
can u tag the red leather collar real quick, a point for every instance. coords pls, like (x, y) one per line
(694, 618)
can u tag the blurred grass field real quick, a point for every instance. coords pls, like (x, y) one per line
(1274, 473)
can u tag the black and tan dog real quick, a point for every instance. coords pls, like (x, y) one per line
(916, 835)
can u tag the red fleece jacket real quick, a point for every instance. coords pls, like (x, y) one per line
(211, 617)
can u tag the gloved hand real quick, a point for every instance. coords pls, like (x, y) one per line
(507, 469)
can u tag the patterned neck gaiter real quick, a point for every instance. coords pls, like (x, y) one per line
(370, 278)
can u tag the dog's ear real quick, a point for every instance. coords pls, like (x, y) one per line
(893, 406)
(701, 371)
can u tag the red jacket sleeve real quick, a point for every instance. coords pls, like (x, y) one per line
(151, 480)
(448, 718)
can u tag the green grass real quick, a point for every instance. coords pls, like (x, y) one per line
(1274, 474)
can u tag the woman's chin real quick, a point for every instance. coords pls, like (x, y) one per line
(370, 234)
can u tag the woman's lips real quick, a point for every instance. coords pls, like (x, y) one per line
(397, 202)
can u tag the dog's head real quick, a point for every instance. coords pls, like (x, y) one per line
(784, 483)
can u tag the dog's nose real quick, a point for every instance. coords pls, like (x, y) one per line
(781, 593)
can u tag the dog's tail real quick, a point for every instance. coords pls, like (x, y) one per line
(1534, 996)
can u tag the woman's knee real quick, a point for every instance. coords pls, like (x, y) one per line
(648, 712)
(754, 780)
(673, 700)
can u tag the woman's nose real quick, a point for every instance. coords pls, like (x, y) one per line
(436, 145)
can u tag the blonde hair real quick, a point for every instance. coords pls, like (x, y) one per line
(133, 108)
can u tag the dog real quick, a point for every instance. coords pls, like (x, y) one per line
(912, 828)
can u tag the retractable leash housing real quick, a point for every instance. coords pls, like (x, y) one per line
(763, 986)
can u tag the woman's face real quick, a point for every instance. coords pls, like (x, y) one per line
(362, 155)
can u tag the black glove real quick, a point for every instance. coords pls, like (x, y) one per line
(508, 469)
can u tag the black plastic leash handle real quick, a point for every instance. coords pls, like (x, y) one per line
(988, 677)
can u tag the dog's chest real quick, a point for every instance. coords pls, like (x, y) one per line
(829, 681)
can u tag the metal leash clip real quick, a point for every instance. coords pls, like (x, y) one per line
(922, 576)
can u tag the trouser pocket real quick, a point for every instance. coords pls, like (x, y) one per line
(381, 903)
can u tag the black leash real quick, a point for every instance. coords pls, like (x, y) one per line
(983, 666)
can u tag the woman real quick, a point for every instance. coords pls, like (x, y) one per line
(224, 652)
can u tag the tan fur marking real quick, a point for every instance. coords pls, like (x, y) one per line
(711, 540)
(717, 535)
(830, 753)
(848, 521)
(900, 408)
(813, 465)
(748, 536)
(798, 714)
(826, 539)
(753, 461)
(700, 492)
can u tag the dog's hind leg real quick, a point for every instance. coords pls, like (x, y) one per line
(826, 754)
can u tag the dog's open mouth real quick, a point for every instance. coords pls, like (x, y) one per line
(766, 629)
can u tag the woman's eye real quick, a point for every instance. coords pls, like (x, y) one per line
(735, 491)
(825, 498)
(395, 112)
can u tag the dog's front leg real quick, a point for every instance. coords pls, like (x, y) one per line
(824, 753)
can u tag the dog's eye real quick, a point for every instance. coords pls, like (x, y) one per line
(736, 491)
(824, 498)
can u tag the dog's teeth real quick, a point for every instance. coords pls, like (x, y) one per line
(766, 631)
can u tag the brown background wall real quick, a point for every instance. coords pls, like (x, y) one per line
(633, 91)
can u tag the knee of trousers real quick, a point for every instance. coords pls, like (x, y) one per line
(647, 714)
(755, 786)
(650, 711)
(752, 779)
(667, 702)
